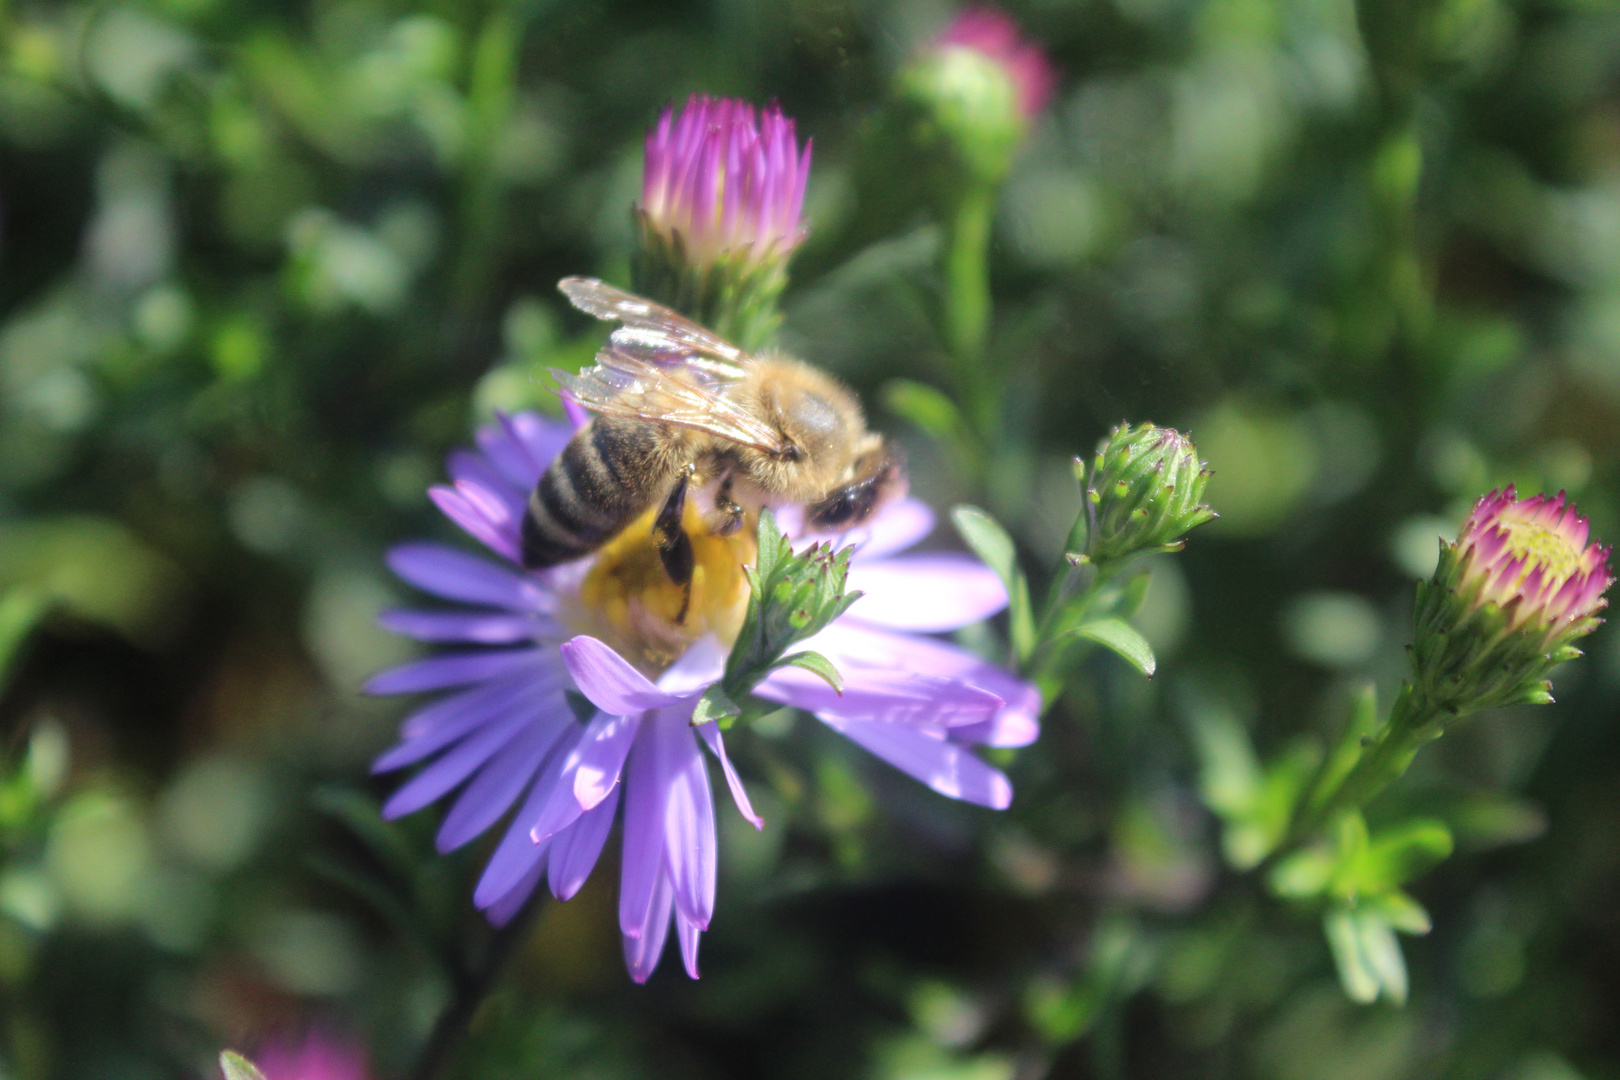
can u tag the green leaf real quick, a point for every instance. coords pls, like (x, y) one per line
(1229, 772)
(1399, 854)
(816, 664)
(1402, 912)
(927, 407)
(714, 705)
(991, 543)
(1367, 955)
(1356, 975)
(1304, 874)
(1119, 636)
(237, 1067)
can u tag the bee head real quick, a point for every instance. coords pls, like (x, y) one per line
(878, 476)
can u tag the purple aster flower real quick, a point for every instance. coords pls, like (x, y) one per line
(503, 733)
(725, 180)
(994, 34)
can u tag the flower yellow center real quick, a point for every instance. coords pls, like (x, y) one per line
(629, 601)
(1535, 545)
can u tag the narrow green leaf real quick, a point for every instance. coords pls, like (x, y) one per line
(237, 1067)
(925, 406)
(1122, 638)
(1401, 853)
(1358, 978)
(816, 664)
(714, 705)
(991, 543)
(1381, 952)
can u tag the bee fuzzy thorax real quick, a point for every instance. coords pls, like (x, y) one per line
(628, 599)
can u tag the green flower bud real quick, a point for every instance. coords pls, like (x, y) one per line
(1142, 493)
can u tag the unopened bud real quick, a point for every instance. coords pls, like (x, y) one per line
(1507, 603)
(1143, 493)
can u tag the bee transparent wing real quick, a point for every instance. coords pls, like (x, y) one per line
(662, 367)
(650, 326)
(628, 384)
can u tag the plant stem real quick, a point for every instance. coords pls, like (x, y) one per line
(1413, 721)
(966, 318)
(471, 990)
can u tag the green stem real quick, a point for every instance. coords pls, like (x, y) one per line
(472, 989)
(966, 318)
(1413, 721)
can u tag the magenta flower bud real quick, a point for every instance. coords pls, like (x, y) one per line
(964, 103)
(1507, 602)
(994, 35)
(721, 199)
(725, 180)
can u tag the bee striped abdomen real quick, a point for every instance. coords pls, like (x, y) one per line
(605, 476)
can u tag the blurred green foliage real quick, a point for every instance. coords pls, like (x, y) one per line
(262, 264)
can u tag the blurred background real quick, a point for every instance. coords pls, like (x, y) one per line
(263, 263)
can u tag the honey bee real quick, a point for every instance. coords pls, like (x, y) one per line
(680, 410)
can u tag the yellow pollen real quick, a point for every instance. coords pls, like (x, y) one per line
(1536, 545)
(629, 601)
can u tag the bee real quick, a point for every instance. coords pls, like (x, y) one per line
(678, 410)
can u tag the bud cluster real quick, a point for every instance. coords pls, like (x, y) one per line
(1142, 492)
(1507, 602)
(792, 596)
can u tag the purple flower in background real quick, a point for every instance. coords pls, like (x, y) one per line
(994, 34)
(505, 734)
(316, 1055)
(725, 180)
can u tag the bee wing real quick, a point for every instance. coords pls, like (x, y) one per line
(652, 325)
(626, 383)
(662, 367)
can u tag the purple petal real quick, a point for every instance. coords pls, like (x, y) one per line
(521, 446)
(474, 627)
(474, 516)
(574, 851)
(601, 758)
(689, 843)
(454, 767)
(947, 768)
(854, 648)
(891, 697)
(711, 735)
(932, 592)
(448, 719)
(589, 774)
(608, 680)
(498, 784)
(466, 465)
(700, 665)
(504, 909)
(455, 669)
(643, 948)
(689, 935)
(517, 855)
(642, 864)
(455, 575)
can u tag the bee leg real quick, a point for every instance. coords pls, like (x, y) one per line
(730, 514)
(674, 546)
